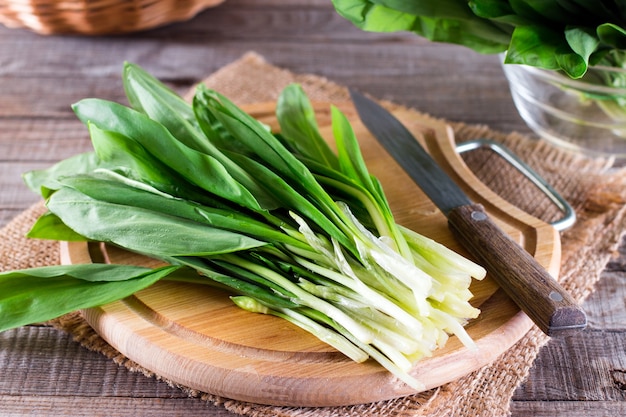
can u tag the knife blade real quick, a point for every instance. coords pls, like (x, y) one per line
(523, 279)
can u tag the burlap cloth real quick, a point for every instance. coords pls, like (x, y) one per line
(597, 192)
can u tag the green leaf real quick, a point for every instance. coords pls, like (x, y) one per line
(351, 159)
(50, 226)
(124, 157)
(583, 43)
(241, 281)
(299, 128)
(150, 96)
(143, 231)
(213, 129)
(258, 140)
(499, 11)
(374, 18)
(272, 153)
(186, 123)
(612, 35)
(440, 21)
(486, 39)
(294, 201)
(491, 9)
(44, 181)
(198, 168)
(278, 295)
(550, 10)
(572, 64)
(116, 150)
(39, 294)
(107, 189)
(535, 46)
(444, 9)
(342, 188)
(550, 34)
(582, 40)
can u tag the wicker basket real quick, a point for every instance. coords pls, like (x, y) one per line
(97, 17)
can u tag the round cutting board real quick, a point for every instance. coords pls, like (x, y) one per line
(195, 336)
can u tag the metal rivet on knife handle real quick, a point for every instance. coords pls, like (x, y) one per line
(528, 284)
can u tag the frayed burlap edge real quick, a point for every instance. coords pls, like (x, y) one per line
(597, 193)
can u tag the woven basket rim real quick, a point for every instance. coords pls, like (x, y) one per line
(98, 17)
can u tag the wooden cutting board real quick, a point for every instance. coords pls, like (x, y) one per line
(194, 335)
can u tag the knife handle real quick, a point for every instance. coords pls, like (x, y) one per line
(526, 282)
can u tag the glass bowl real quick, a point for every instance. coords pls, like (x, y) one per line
(587, 115)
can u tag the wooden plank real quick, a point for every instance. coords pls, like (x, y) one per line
(45, 373)
(606, 306)
(590, 366)
(568, 409)
(45, 139)
(448, 98)
(63, 406)
(15, 194)
(41, 76)
(41, 362)
(54, 95)
(220, 36)
(57, 366)
(254, 20)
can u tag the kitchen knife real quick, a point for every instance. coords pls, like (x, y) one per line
(526, 282)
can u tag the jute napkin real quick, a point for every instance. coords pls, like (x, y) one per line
(597, 192)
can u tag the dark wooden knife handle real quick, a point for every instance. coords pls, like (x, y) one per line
(526, 282)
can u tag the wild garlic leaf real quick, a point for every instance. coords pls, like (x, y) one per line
(50, 227)
(40, 294)
(143, 231)
(299, 128)
(44, 181)
(150, 96)
(293, 200)
(273, 156)
(198, 168)
(351, 160)
(133, 194)
(117, 150)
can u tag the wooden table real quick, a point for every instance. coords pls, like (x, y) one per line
(42, 372)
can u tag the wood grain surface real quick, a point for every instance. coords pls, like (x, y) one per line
(197, 338)
(44, 373)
